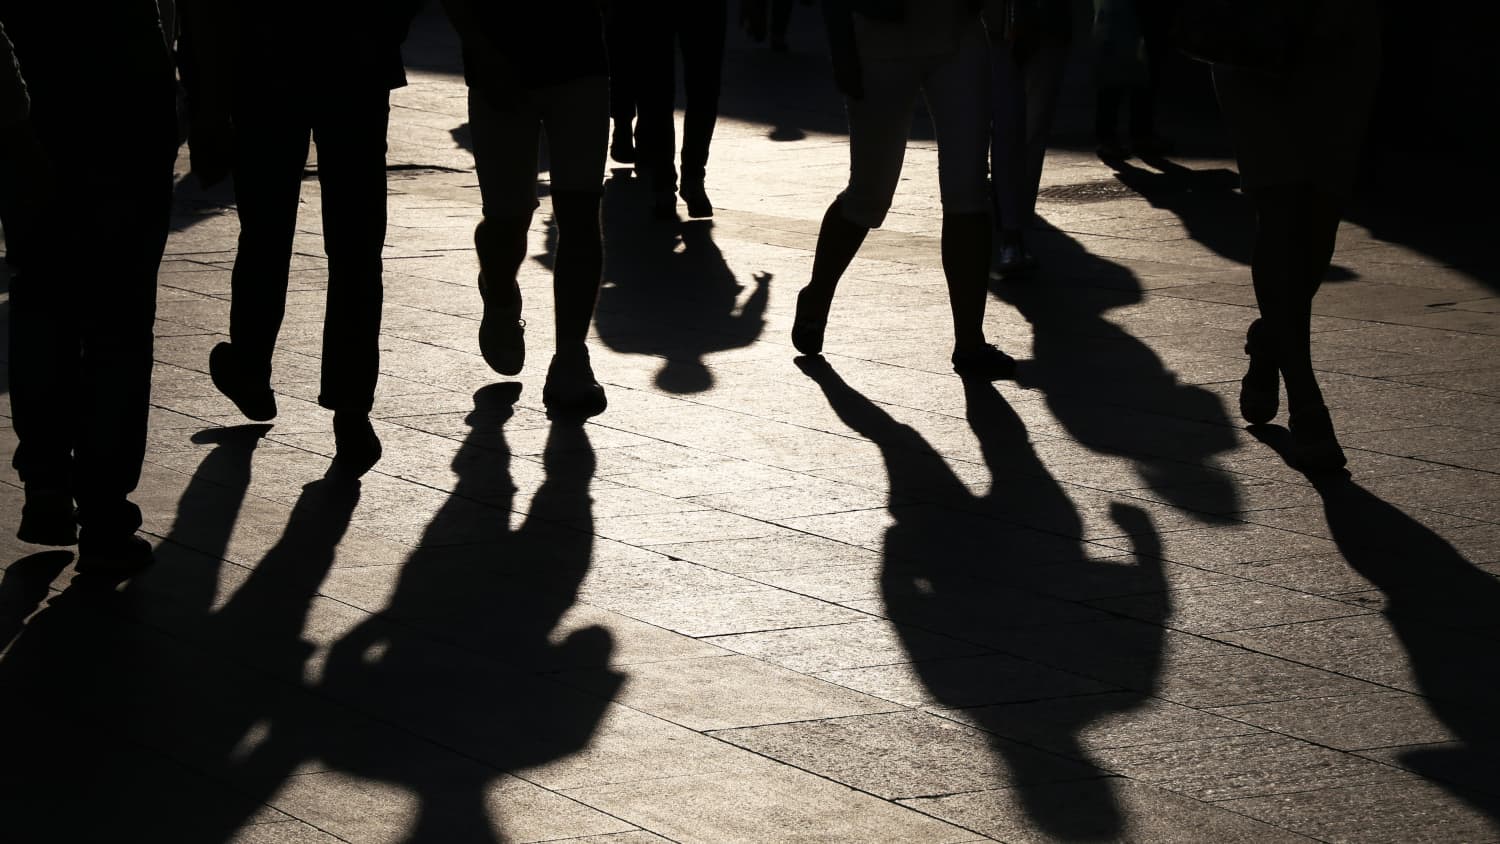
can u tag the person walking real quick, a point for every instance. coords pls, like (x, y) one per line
(530, 69)
(327, 78)
(87, 218)
(1132, 41)
(1029, 42)
(697, 28)
(1297, 131)
(885, 54)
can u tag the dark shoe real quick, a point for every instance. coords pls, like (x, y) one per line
(48, 518)
(1315, 447)
(250, 393)
(1014, 263)
(811, 321)
(502, 332)
(622, 147)
(571, 389)
(697, 200)
(664, 205)
(117, 556)
(357, 448)
(985, 362)
(1261, 387)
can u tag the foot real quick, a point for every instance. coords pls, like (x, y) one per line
(1110, 149)
(48, 518)
(502, 332)
(1013, 262)
(664, 205)
(1261, 387)
(984, 362)
(622, 147)
(251, 393)
(114, 556)
(811, 321)
(357, 449)
(571, 389)
(697, 200)
(1315, 446)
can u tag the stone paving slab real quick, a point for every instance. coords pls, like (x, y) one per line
(761, 602)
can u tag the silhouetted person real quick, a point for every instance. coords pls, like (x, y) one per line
(325, 76)
(1297, 135)
(697, 29)
(530, 68)
(1029, 42)
(87, 184)
(884, 56)
(1134, 39)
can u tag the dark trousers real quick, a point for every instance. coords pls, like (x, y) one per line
(273, 124)
(697, 28)
(83, 301)
(620, 42)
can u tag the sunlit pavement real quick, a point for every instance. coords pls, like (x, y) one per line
(854, 600)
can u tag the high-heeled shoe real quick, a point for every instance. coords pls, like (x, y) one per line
(1315, 446)
(1260, 388)
(811, 321)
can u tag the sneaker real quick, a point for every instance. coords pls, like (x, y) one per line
(48, 518)
(250, 393)
(571, 388)
(502, 333)
(985, 362)
(697, 200)
(357, 447)
(117, 556)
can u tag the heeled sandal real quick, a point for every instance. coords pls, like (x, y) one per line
(1261, 387)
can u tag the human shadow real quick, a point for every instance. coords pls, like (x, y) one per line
(494, 595)
(961, 566)
(1446, 613)
(669, 293)
(1206, 202)
(1111, 391)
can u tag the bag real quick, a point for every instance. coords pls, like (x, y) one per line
(1262, 35)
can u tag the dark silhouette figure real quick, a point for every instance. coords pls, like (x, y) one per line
(1143, 29)
(1081, 360)
(663, 27)
(1297, 135)
(1442, 608)
(327, 80)
(530, 69)
(83, 298)
(620, 39)
(762, 18)
(679, 305)
(954, 568)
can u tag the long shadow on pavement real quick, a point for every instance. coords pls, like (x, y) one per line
(1446, 614)
(168, 712)
(1110, 390)
(966, 568)
(668, 291)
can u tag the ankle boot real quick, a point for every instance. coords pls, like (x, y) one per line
(1261, 387)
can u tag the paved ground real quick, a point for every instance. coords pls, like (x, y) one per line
(758, 601)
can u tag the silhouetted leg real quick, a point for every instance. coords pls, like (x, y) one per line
(781, 20)
(620, 39)
(1008, 149)
(1106, 119)
(656, 92)
(45, 353)
(576, 123)
(1281, 274)
(1156, 23)
(351, 169)
(1044, 75)
(958, 101)
(701, 36)
(270, 151)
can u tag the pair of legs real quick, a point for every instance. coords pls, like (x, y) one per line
(697, 29)
(956, 91)
(575, 117)
(1024, 91)
(1296, 226)
(273, 125)
(1154, 19)
(619, 41)
(83, 303)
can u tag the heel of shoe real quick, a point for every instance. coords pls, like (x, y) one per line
(811, 322)
(1315, 446)
(1261, 387)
